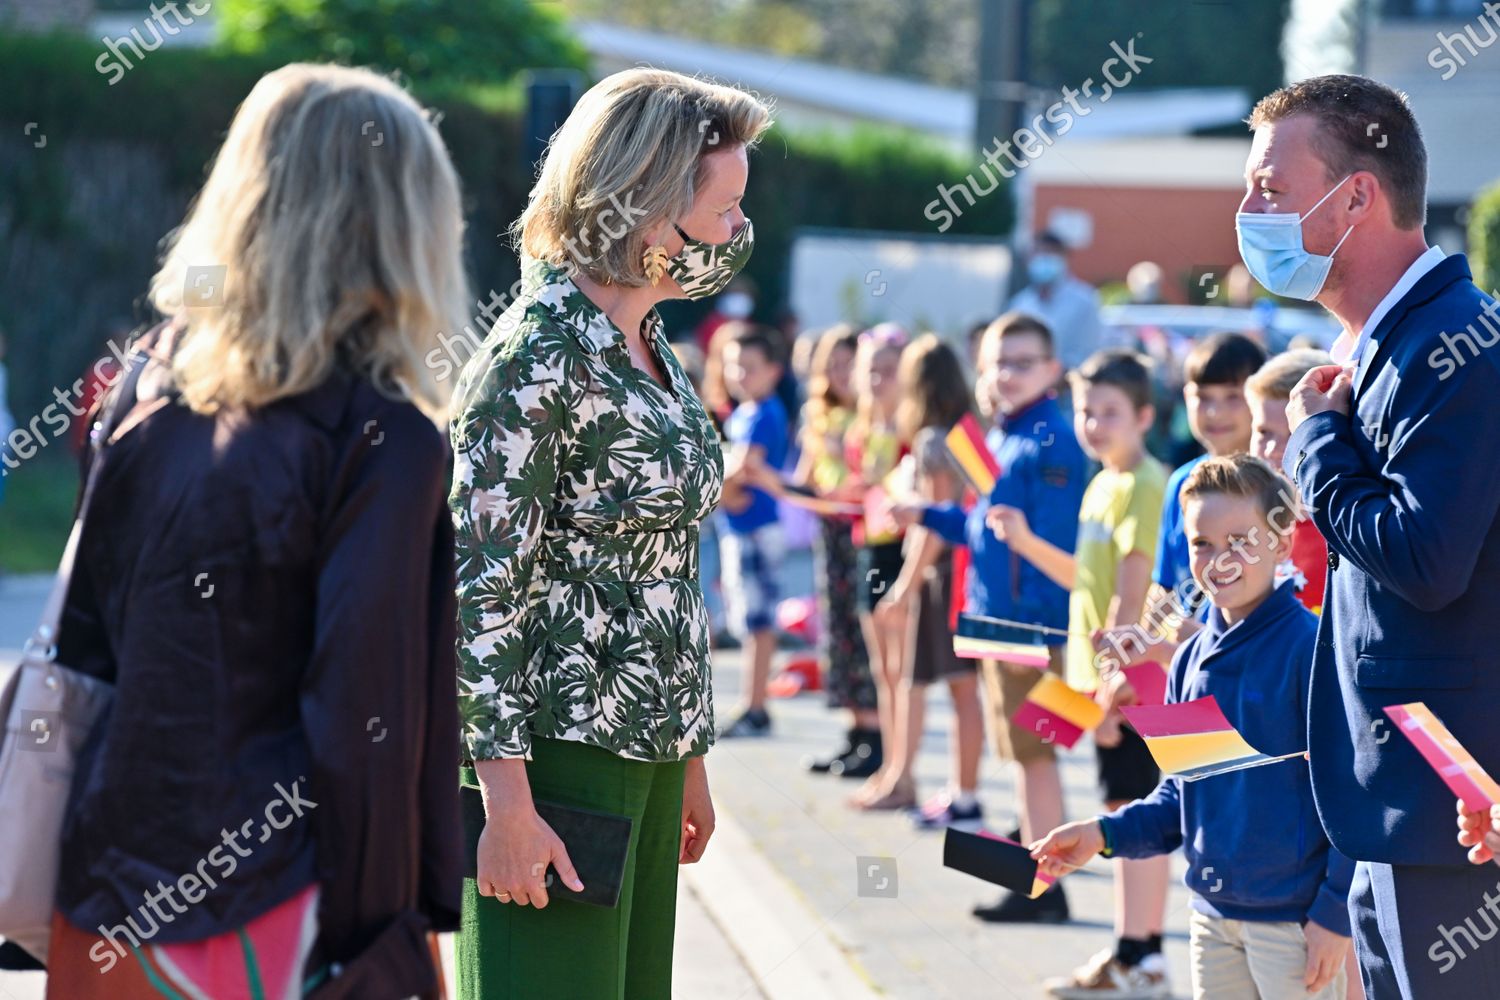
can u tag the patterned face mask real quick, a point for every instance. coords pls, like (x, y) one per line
(704, 269)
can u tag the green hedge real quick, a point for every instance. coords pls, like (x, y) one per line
(166, 116)
(1484, 239)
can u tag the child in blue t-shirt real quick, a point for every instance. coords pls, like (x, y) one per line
(751, 545)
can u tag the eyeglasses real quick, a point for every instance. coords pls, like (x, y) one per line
(1021, 366)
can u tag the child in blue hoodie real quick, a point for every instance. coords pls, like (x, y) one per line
(1270, 916)
(1043, 473)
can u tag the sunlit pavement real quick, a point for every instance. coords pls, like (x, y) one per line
(779, 892)
(920, 942)
(707, 964)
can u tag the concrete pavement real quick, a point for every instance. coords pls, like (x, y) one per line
(801, 897)
(708, 964)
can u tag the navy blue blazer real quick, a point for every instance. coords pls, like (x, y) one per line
(1405, 490)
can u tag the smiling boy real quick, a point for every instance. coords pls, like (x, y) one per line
(1270, 894)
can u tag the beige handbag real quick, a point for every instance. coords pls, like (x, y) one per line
(49, 712)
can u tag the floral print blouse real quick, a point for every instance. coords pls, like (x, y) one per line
(578, 487)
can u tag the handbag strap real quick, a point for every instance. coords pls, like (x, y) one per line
(43, 641)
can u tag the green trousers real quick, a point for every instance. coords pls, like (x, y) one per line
(572, 950)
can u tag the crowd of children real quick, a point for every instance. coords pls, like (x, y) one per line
(1086, 537)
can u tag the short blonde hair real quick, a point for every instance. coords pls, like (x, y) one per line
(632, 148)
(332, 224)
(1278, 377)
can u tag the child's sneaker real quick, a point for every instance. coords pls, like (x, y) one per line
(968, 817)
(1107, 976)
(752, 722)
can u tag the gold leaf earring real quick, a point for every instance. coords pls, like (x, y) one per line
(655, 263)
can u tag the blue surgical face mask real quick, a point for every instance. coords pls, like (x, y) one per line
(1271, 247)
(1045, 268)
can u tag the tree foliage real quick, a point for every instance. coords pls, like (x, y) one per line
(1484, 239)
(457, 40)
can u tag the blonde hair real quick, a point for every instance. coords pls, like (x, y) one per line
(632, 148)
(332, 222)
(1278, 377)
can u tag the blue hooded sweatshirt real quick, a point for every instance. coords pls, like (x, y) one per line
(1254, 845)
(1043, 472)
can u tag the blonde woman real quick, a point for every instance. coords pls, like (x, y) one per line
(265, 576)
(584, 465)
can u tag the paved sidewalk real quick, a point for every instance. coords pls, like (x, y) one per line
(914, 939)
(775, 909)
(707, 964)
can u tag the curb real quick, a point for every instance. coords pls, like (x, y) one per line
(788, 949)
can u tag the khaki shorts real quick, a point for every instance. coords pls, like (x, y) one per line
(1005, 688)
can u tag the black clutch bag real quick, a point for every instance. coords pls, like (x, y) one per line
(597, 843)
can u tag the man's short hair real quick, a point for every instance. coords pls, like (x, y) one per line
(1126, 370)
(1279, 376)
(1362, 125)
(1223, 359)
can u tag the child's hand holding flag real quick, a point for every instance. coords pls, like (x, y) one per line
(1069, 847)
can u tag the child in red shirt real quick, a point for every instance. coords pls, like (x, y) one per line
(1267, 392)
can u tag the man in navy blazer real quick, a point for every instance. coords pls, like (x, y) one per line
(1396, 450)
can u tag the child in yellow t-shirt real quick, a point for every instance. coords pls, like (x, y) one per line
(1109, 573)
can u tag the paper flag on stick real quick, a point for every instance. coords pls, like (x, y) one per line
(1058, 713)
(1150, 682)
(1193, 740)
(1455, 765)
(995, 859)
(966, 444)
(980, 639)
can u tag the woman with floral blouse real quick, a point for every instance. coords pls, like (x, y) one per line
(584, 463)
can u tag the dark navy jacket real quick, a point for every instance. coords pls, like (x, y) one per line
(1043, 472)
(1255, 849)
(1406, 491)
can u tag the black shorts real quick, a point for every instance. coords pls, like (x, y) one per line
(1128, 771)
(879, 565)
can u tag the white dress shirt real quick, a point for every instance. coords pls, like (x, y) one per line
(1347, 350)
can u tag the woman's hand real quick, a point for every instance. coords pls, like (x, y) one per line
(517, 845)
(697, 813)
